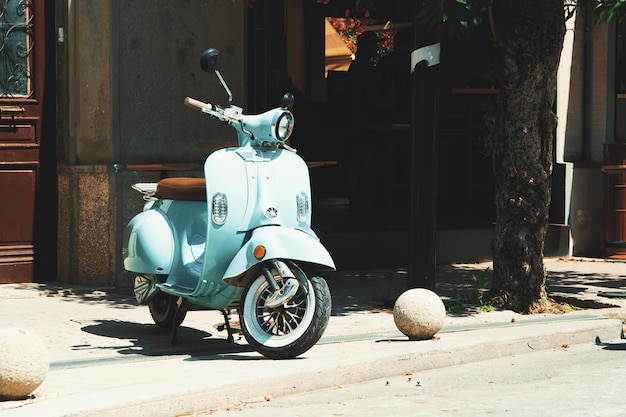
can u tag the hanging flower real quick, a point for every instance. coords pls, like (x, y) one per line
(350, 29)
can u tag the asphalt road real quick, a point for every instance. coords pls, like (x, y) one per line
(582, 380)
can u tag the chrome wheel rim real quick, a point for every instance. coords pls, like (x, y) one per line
(280, 326)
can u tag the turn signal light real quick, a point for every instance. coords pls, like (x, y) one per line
(259, 252)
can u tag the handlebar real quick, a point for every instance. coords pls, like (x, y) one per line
(207, 108)
(197, 104)
(265, 125)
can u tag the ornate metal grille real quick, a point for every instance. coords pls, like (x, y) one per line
(16, 45)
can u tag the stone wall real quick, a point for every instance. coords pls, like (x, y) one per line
(87, 225)
(124, 70)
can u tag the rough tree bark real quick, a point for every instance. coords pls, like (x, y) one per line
(521, 140)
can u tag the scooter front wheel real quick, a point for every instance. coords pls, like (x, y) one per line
(291, 329)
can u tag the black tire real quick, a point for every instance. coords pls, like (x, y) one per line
(163, 309)
(290, 330)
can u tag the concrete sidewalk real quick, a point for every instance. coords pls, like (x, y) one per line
(108, 358)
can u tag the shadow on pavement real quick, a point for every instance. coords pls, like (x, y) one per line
(375, 290)
(115, 297)
(575, 288)
(150, 340)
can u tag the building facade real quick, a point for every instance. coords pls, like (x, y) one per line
(115, 74)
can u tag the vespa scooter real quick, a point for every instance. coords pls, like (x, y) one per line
(239, 238)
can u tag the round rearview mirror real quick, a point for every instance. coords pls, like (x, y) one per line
(287, 101)
(211, 60)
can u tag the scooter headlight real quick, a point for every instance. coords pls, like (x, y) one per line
(303, 207)
(283, 126)
(219, 208)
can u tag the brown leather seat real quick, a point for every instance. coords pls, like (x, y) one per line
(190, 189)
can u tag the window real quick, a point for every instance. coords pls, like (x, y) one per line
(16, 45)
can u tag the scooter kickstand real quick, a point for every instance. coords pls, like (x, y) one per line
(229, 329)
(181, 310)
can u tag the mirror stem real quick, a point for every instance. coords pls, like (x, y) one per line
(230, 95)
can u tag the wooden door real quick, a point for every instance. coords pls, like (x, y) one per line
(22, 198)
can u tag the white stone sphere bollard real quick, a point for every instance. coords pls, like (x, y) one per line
(419, 313)
(24, 362)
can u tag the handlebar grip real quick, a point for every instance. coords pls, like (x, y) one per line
(197, 104)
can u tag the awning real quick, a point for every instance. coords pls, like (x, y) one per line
(338, 55)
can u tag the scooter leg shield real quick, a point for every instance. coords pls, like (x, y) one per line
(149, 244)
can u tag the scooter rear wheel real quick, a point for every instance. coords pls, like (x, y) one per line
(163, 309)
(290, 330)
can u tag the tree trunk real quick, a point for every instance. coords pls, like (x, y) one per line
(521, 140)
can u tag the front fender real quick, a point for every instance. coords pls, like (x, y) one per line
(279, 243)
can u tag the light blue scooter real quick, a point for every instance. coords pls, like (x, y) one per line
(238, 238)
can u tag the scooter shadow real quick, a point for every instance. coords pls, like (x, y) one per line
(150, 340)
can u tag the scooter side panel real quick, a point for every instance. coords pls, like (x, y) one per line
(188, 220)
(149, 244)
(280, 243)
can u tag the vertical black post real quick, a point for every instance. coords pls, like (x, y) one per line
(424, 155)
